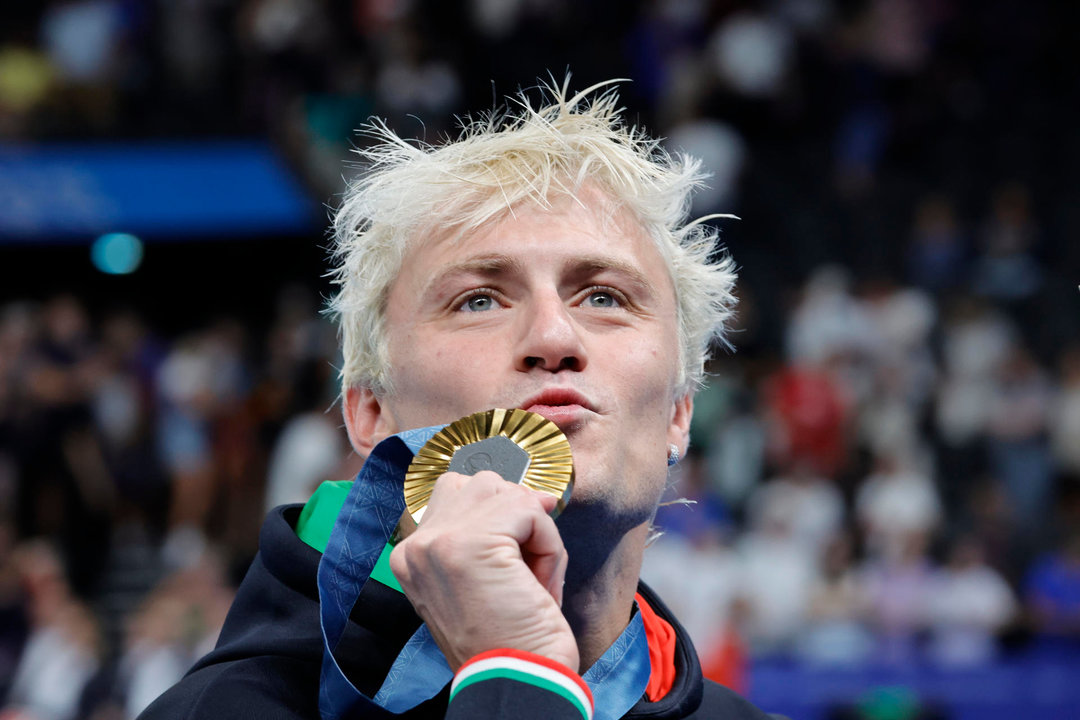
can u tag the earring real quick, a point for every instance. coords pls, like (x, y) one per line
(672, 454)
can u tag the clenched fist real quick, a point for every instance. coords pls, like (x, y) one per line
(485, 570)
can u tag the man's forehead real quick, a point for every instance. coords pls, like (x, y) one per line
(590, 205)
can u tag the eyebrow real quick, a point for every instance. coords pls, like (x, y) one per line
(590, 265)
(497, 264)
(483, 265)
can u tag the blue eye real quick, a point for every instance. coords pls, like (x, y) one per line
(479, 303)
(601, 299)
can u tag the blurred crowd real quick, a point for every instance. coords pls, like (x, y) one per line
(900, 486)
(134, 473)
(886, 469)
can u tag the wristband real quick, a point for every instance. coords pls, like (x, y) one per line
(528, 668)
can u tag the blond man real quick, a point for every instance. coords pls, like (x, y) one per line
(541, 261)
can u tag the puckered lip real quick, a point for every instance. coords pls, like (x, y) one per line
(557, 401)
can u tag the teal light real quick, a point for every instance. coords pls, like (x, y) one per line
(117, 253)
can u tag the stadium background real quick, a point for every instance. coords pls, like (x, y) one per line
(886, 470)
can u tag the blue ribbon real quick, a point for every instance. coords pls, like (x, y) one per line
(364, 526)
(368, 518)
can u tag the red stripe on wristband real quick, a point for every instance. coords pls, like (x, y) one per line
(533, 658)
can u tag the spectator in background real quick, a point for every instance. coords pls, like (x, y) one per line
(897, 587)
(1017, 431)
(986, 514)
(185, 383)
(828, 321)
(888, 422)
(976, 340)
(412, 81)
(65, 490)
(297, 393)
(808, 418)
(722, 151)
(1052, 597)
(777, 571)
(831, 340)
(937, 253)
(975, 343)
(125, 413)
(203, 435)
(903, 319)
(1007, 269)
(896, 504)
(969, 605)
(64, 649)
(836, 630)
(310, 448)
(735, 451)
(177, 624)
(806, 503)
(751, 53)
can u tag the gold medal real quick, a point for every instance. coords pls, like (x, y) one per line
(521, 446)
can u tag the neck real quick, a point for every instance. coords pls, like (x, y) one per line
(601, 580)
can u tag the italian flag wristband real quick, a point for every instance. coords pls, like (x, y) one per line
(528, 668)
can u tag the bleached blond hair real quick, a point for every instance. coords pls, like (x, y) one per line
(410, 190)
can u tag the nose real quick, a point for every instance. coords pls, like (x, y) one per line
(549, 337)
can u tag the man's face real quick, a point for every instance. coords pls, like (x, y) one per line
(556, 311)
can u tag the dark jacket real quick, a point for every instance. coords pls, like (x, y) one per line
(268, 658)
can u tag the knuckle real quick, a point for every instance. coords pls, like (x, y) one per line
(399, 560)
(489, 477)
(450, 551)
(417, 546)
(449, 481)
(422, 552)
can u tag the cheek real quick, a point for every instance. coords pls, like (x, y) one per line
(651, 376)
(442, 377)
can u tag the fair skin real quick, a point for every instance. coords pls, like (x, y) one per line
(567, 311)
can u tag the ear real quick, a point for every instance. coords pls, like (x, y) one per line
(366, 420)
(679, 428)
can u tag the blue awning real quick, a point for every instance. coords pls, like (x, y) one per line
(157, 190)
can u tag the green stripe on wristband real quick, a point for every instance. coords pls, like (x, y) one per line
(523, 677)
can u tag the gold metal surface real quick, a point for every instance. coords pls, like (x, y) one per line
(551, 466)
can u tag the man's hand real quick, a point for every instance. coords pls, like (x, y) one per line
(485, 570)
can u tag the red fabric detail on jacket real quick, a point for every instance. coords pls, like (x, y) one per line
(661, 638)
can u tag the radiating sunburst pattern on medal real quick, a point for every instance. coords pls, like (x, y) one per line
(551, 466)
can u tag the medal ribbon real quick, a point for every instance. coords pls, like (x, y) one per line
(364, 526)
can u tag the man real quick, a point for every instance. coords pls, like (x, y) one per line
(539, 262)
